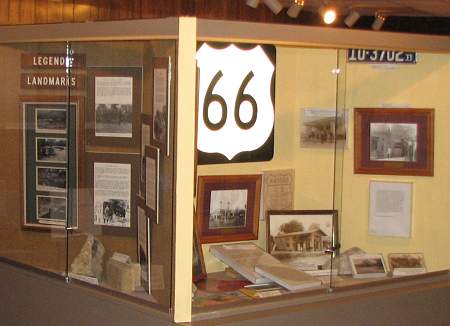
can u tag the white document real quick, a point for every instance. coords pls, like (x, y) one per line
(113, 90)
(112, 187)
(278, 190)
(390, 209)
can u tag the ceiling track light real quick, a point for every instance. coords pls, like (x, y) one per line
(352, 18)
(295, 8)
(252, 3)
(379, 21)
(273, 5)
(328, 13)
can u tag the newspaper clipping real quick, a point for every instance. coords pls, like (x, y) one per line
(112, 186)
(278, 190)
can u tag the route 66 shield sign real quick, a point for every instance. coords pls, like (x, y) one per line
(235, 104)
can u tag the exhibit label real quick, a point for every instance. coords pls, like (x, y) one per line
(51, 81)
(380, 56)
(46, 60)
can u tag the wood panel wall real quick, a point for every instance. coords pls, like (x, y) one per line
(19, 12)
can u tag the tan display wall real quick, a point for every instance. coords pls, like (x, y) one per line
(304, 80)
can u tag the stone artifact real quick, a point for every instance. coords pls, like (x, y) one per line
(90, 259)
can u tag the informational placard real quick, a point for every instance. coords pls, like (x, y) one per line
(390, 209)
(381, 56)
(113, 106)
(51, 80)
(278, 190)
(112, 194)
(52, 60)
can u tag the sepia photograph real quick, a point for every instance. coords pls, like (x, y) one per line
(51, 178)
(318, 127)
(406, 260)
(367, 265)
(51, 208)
(51, 150)
(114, 120)
(301, 238)
(393, 142)
(228, 208)
(51, 120)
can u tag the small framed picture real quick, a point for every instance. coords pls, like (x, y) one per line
(301, 238)
(161, 123)
(402, 264)
(51, 121)
(367, 265)
(152, 181)
(50, 178)
(394, 141)
(146, 122)
(228, 207)
(144, 250)
(51, 210)
(51, 150)
(114, 106)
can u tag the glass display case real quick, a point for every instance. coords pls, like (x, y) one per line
(103, 183)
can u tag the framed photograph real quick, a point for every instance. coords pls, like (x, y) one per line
(367, 265)
(144, 251)
(114, 106)
(228, 207)
(300, 238)
(51, 179)
(394, 141)
(318, 127)
(161, 123)
(198, 263)
(51, 209)
(51, 121)
(51, 150)
(110, 206)
(402, 264)
(146, 122)
(152, 181)
(390, 207)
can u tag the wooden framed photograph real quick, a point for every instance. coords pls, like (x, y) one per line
(114, 106)
(161, 123)
(198, 263)
(146, 122)
(228, 207)
(394, 141)
(301, 238)
(152, 181)
(402, 264)
(367, 265)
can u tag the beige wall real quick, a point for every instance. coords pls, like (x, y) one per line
(304, 80)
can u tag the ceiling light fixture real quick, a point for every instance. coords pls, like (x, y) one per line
(295, 8)
(274, 5)
(328, 14)
(252, 3)
(352, 18)
(379, 21)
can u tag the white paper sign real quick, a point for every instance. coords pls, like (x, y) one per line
(390, 209)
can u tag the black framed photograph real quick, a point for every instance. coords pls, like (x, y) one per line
(114, 106)
(144, 249)
(161, 123)
(228, 207)
(52, 179)
(51, 150)
(394, 141)
(152, 181)
(302, 238)
(51, 209)
(51, 121)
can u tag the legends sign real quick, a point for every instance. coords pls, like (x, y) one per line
(52, 81)
(52, 61)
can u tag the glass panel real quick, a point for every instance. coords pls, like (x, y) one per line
(37, 137)
(123, 238)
